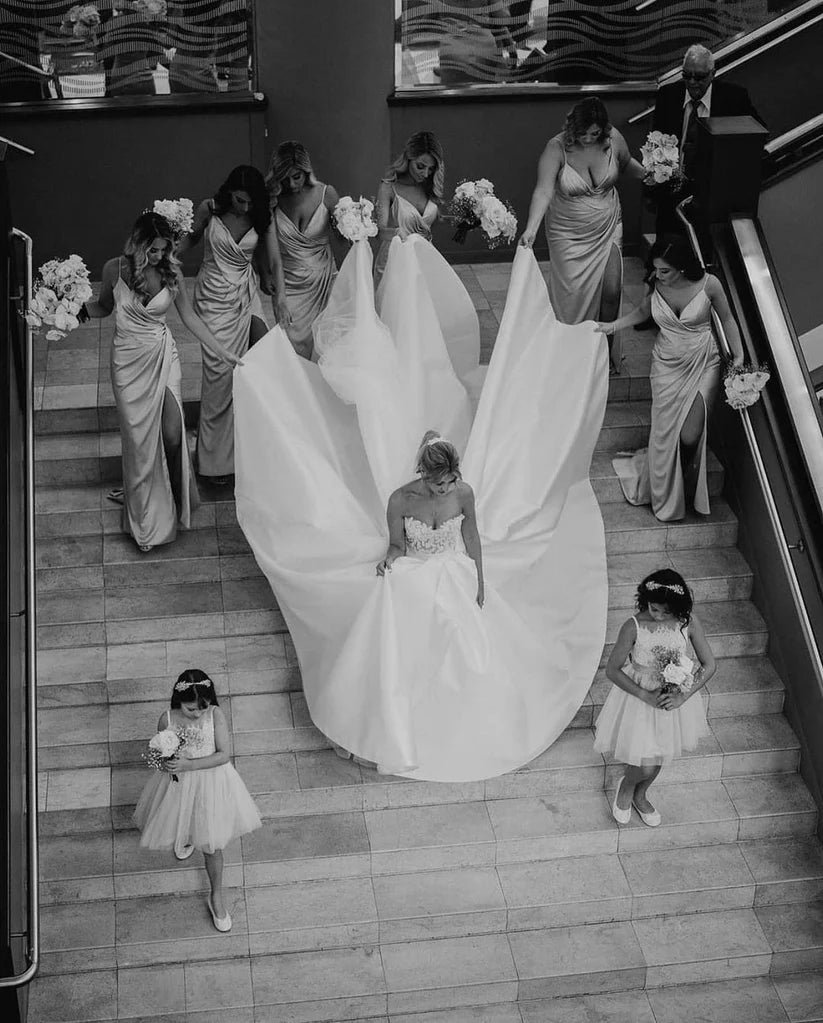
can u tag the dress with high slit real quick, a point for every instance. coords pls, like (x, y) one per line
(145, 367)
(404, 219)
(226, 296)
(583, 227)
(308, 269)
(685, 367)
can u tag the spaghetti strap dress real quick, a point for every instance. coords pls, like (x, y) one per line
(145, 366)
(583, 226)
(226, 296)
(404, 219)
(308, 269)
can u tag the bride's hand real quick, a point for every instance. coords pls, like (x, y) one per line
(384, 566)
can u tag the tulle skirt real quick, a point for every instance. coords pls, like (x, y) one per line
(644, 736)
(206, 809)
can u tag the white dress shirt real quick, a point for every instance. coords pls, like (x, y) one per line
(702, 108)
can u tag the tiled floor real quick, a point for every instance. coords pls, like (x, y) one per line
(367, 898)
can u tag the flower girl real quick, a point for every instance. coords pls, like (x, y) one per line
(652, 714)
(208, 805)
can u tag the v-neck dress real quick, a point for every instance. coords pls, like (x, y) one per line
(226, 296)
(685, 365)
(404, 219)
(144, 367)
(583, 224)
(308, 268)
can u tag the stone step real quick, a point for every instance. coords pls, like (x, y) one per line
(607, 486)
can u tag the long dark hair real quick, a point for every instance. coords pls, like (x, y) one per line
(246, 179)
(148, 227)
(193, 685)
(665, 586)
(677, 251)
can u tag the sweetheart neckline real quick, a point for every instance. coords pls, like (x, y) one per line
(435, 529)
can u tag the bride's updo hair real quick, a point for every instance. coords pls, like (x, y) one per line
(147, 229)
(436, 457)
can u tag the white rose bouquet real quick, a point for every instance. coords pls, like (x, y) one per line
(674, 670)
(743, 384)
(61, 288)
(660, 157)
(353, 218)
(474, 204)
(80, 20)
(178, 212)
(164, 746)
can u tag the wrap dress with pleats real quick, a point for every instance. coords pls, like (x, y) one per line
(404, 219)
(308, 269)
(226, 296)
(686, 365)
(144, 367)
(583, 226)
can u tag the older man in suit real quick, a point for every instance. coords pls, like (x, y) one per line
(680, 106)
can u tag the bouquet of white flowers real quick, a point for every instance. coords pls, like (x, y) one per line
(674, 670)
(61, 288)
(743, 384)
(80, 20)
(661, 160)
(178, 212)
(474, 204)
(353, 218)
(163, 746)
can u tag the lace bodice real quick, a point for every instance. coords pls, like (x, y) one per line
(199, 738)
(673, 637)
(426, 540)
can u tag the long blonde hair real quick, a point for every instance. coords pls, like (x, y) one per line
(287, 157)
(147, 227)
(422, 143)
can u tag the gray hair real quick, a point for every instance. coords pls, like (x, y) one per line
(700, 55)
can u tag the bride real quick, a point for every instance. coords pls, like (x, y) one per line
(474, 644)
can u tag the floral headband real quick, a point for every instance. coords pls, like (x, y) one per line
(181, 687)
(674, 587)
(436, 440)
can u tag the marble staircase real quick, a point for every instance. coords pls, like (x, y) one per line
(370, 898)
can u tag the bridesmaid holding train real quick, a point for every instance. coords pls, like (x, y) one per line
(302, 208)
(685, 376)
(241, 249)
(140, 286)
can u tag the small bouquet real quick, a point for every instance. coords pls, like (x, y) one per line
(178, 212)
(474, 204)
(743, 384)
(353, 218)
(660, 157)
(80, 21)
(152, 10)
(674, 670)
(61, 288)
(163, 746)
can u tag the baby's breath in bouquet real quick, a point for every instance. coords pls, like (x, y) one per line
(474, 204)
(164, 746)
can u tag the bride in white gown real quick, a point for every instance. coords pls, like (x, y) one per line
(405, 669)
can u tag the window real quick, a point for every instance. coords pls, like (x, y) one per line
(458, 43)
(124, 48)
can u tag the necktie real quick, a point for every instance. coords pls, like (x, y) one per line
(689, 144)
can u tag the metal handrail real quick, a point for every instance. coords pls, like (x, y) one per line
(33, 887)
(774, 321)
(743, 42)
(789, 138)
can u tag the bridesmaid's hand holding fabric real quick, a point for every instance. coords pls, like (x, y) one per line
(281, 312)
(605, 328)
(527, 238)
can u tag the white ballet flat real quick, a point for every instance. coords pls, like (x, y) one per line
(621, 816)
(222, 923)
(183, 850)
(651, 820)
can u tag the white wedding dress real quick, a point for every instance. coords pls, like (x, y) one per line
(406, 670)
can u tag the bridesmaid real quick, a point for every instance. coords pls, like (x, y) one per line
(576, 193)
(239, 232)
(685, 375)
(302, 206)
(410, 194)
(140, 286)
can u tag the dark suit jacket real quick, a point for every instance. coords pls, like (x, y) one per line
(728, 100)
